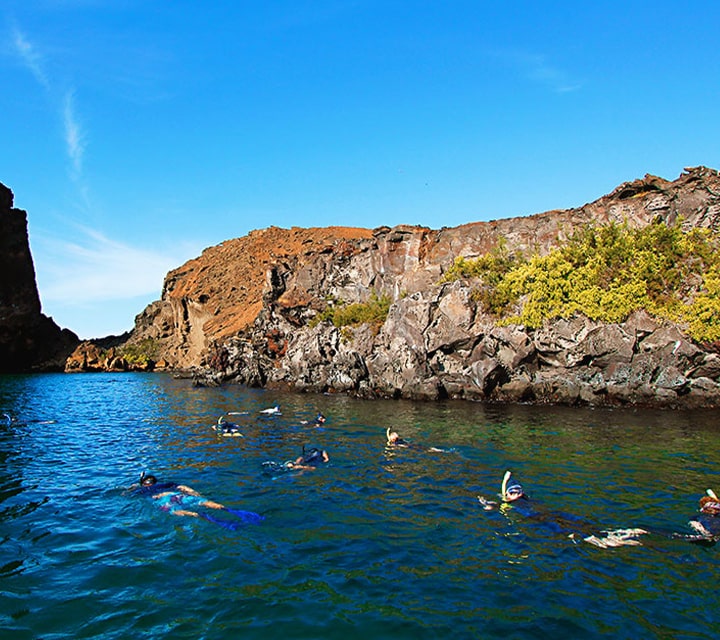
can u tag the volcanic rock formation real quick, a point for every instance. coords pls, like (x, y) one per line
(29, 340)
(247, 310)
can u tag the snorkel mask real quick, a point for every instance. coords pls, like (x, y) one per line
(511, 492)
(147, 480)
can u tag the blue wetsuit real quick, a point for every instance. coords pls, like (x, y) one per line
(179, 500)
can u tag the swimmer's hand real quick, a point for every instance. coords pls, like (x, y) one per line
(488, 505)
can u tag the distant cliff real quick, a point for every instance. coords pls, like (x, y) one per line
(29, 340)
(251, 311)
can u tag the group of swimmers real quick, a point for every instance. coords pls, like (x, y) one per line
(227, 428)
(181, 500)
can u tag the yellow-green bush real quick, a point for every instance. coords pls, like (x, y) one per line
(373, 312)
(606, 273)
(140, 353)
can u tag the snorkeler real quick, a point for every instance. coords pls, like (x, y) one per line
(309, 459)
(707, 522)
(512, 493)
(509, 492)
(394, 440)
(181, 500)
(318, 422)
(174, 497)
(226, 428)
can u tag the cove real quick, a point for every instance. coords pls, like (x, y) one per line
(378, 543)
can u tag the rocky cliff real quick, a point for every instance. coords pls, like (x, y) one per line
(29, 340)
(247, 310)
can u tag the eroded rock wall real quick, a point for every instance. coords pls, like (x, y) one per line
(29, 340)
(243, 311)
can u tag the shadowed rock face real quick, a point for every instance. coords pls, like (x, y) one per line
(29, 340)
(242, 312)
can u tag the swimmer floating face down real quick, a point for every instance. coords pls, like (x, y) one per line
(511, 492)
(394, 439)
(710, 504)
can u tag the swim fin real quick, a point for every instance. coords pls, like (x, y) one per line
(248, 517)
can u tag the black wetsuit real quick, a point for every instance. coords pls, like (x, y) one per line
(710, 524)
(312, 458)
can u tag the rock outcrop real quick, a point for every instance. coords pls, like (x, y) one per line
(243, 311)
(29, 340)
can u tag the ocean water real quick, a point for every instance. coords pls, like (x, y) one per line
(379, 543)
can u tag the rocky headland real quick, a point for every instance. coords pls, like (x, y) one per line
(250, 311)
(29, 340)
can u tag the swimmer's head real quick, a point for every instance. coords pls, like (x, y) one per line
(320, 418)
(392, 436)
(710, 505)
(147, 481)
(514, 492)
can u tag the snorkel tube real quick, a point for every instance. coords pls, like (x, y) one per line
(503, 486)
(711, 493)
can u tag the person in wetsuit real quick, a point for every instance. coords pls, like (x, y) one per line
(394, 440)
(309, 459)
(177, 499)
(226, 428)
(512, 493)
(318, 422)
(707, 522)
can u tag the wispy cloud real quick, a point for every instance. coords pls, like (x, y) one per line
(74, 137)
(30, 57)
(94, 268)
(65, 104)
(539, 69)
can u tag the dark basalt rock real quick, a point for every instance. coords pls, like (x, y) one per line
(29, 340)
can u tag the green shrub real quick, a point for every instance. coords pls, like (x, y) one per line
(140, 353)
(373, 312)
(606, 273)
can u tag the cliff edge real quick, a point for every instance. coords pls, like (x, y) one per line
(29, 340)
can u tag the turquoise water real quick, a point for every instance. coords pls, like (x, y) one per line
(378, 544)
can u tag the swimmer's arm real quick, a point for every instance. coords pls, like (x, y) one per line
(297, 465)
(133, 487)
(488, 505)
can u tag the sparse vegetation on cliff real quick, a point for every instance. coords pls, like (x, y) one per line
(373, 312)
(140, 353)
(606, 273)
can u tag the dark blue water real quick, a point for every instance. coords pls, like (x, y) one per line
(377, 544)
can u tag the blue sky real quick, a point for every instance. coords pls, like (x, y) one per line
(138, 132)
